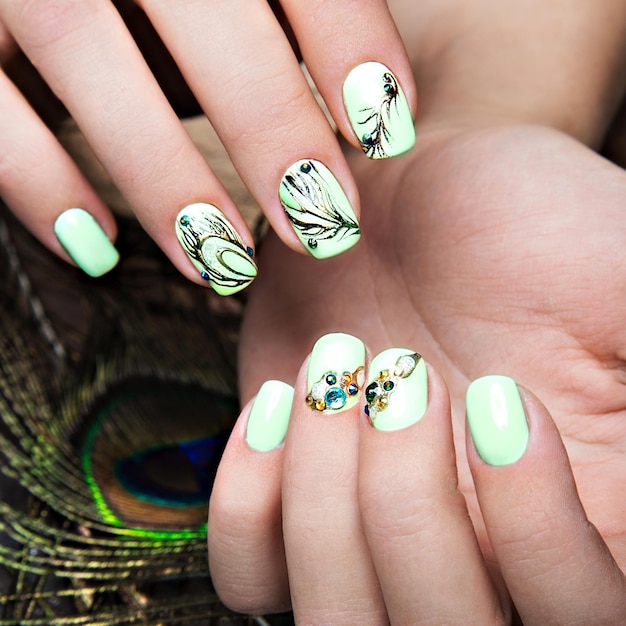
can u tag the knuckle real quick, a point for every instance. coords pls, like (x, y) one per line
(41, 23)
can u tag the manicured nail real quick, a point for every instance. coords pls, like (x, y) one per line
(318, 209)
(215, 248)
(397, 394)
(336, 373)
(86, 242)
(497, 420)
(269, 416)
(378, 111)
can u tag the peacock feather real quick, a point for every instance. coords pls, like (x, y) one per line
(116, 398)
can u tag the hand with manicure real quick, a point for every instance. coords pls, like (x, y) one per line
(495, 251)
(241, 68)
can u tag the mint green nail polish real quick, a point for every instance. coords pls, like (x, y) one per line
(269, 416)
(497, 419)
(378, 111)
(318, 208)
(336, 373)
(215, 248)
(396, 395)
(86, 242)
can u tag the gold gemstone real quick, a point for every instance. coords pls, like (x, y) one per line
(320, 405)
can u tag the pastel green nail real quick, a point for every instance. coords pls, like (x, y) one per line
(397, 393)
(336, 373)
(269, 416)
(215, 248)
(497, 419)
(86, 242)
(318, 209)
(378, 111)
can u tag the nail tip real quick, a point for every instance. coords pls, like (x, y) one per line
(378, 111)
(215, 248)
(85, 241)
(318, 209)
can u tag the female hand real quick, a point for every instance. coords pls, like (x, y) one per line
(357, 520)
(240, 66)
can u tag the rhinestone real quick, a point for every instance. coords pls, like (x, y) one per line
(335, 398)
(371, 392)
(318, 390)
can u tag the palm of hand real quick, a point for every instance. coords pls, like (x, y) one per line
(490, 251)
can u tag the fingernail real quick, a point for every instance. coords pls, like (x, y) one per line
(497, 420)
(215, 248)
(318, 209)
(378, 111)
(86, 242)
(269, 416)
(397, 394)
(336, 373)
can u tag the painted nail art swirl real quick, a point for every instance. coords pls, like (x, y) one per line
(215, 248)
(318, 209)
(378, 110)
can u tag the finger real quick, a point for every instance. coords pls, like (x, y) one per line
(555, 564)
(246, 552)
(89, 59)
(47, 192)
(361, 68)
(416, 522)
(251, 86)
(331, 575)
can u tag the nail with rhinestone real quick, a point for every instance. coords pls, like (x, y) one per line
(336, 373)
(215, 248)
(318, 209)
(396, 395)
(378, 111)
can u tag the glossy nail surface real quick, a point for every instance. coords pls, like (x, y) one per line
(318, 209)
(396, 394)
(378, 111)
(497, 420)
(86, 242)
(215, 248)
(269, 416)
(336, 373)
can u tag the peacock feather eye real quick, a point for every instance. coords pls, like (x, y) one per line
(144, 478)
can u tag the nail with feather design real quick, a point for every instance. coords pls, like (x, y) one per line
(318, 209)
(215, 248)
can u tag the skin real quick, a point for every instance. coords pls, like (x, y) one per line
(495, 247)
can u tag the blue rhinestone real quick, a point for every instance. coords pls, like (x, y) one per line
(388, 385)
(353, 389)
(366, 408)
(204, 275)
(331, 379)
(250, 251)
(184, 220)
(305, 168)
(335, 398)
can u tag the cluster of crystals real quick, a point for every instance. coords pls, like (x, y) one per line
(332, 390)
(377, 392)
